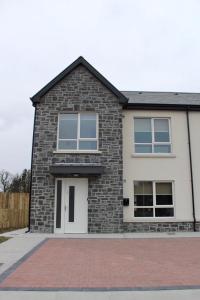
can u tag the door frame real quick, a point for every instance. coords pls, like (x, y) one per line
(62, 228)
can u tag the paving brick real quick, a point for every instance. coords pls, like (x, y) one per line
(110, 263)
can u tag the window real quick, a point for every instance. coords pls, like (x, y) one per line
(152, 135)
(153, 199)
(77, 131)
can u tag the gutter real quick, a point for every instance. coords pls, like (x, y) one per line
(191, 171)
(29, 216)
(163, 106)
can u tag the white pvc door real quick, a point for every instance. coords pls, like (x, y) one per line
(75, 208)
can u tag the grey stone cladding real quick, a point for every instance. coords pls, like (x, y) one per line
(79, 91)
(197, 226)
(158, 226)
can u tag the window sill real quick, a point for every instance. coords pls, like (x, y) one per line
(152, 220)
(154, 155)
(77, 152)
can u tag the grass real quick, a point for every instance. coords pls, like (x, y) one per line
(2, 230)
(3, 239)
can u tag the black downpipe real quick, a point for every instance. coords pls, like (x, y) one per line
(29, 217)
(191, 171)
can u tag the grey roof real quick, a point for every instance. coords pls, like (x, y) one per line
(159, 98)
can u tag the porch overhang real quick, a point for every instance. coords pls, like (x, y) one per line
(76, 170)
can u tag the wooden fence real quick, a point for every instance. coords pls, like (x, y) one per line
(14, 210)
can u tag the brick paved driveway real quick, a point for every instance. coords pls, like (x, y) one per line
(108, 264)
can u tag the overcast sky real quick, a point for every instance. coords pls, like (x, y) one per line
(135, 44)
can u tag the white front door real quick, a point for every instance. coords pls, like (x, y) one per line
(75, 205)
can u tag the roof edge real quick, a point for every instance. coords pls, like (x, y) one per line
(176, 93)
(79, 61)
(163, 106)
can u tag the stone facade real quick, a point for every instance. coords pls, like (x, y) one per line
(197, 226)
(79, 91)
(158, 226)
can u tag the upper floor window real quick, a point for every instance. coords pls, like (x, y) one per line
(77, 131)
(152, 135)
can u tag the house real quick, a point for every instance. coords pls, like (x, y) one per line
(109, 161)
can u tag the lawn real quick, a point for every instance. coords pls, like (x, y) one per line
(3, 239)
(2, 230)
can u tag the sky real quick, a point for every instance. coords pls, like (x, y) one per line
(149, 45)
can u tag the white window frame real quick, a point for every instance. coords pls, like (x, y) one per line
(78, 134)
(154, 143)
(154, 201)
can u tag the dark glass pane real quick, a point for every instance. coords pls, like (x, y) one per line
(162, 149)
(58, 204)
(161, 137)
(143, 200)
(143, 149)
(164, 212)
(164, 200)
(71, 203)
(143, 212)
(143, 137)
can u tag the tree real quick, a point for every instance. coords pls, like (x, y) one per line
(15, 184)
(21, 183)
(5, 180)
(25, 179)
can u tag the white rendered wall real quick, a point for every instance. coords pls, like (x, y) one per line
(194, 119)
(174, 167)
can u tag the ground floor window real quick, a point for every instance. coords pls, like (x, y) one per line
(153, 199)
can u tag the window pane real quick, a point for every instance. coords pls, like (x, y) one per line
(68, 126)
(88, 125)
(142, 125)
(143, 212)
(143, 200)
(142, 128)
(68, 145)
(162, 148)
(161, 128)
(161, 125)
(164, 188)
(161, 137)
(164, 212)
(58, 204)
(71, 203)
(143, 137)
(164, 193)
(164, 200)
(87, 145)
(143, 188)
(143, 148)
